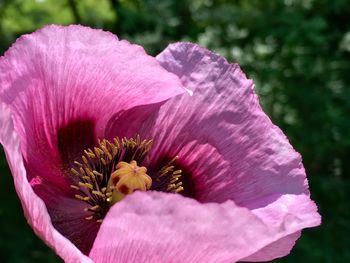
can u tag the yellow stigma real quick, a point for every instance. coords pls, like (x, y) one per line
(128, 178)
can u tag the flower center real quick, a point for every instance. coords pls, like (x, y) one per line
(110, 171)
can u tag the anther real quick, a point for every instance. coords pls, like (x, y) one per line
(77, 163)
(89, 154)
(74, 187)
(97, 173)
(75, 172)
(82, 198)
(98, 193)
(92, 209)
(179, 189)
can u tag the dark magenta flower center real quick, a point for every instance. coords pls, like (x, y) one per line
(94, 181)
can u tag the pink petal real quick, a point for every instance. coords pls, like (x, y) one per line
(159, 227)
(274, 250)
(34, 208)
(227, 145)
(251, 160)
(63, 84)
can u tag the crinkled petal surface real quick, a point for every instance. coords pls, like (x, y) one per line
(34, 208)
(158, 227)
(229, 147)
(65, 87)
(250, 159)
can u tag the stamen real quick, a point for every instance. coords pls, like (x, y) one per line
(92, 173)
(135, 149)
(168, 179)
(110, 171)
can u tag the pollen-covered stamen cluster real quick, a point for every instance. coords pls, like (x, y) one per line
(168, 179)
(113, 169)
(93, 172)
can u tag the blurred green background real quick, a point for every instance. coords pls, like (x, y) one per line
(298, 53)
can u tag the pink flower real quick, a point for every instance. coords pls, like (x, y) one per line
(220, 183)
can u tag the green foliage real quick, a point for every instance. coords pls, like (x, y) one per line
(297, 51)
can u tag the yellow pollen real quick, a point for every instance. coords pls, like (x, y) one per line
(128, 178)
(105, 174)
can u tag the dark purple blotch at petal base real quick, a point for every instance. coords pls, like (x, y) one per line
(188, 183)
(75, 137)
